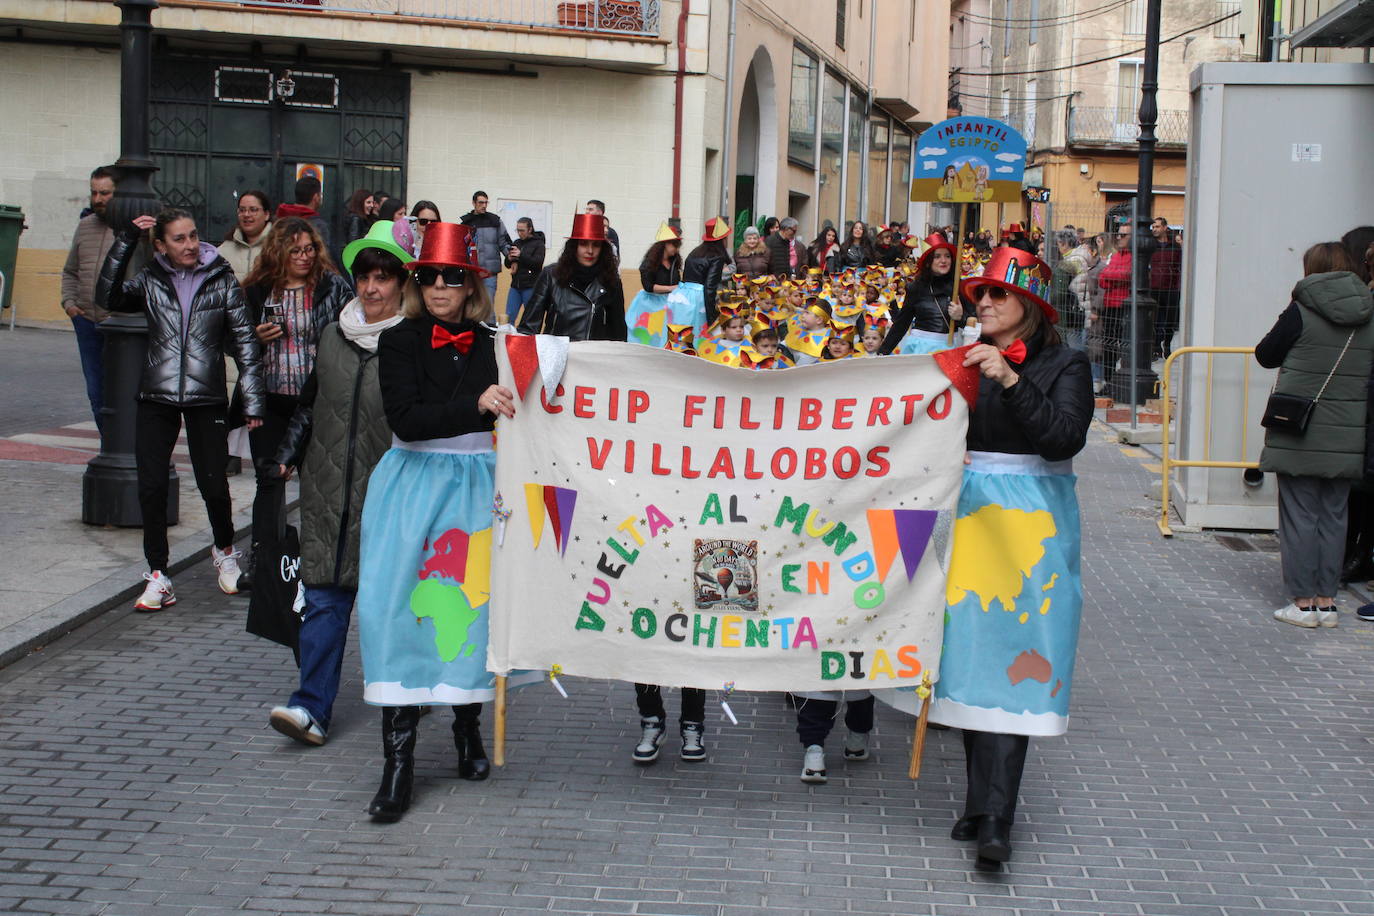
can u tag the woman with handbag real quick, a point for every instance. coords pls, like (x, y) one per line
(1315, 425)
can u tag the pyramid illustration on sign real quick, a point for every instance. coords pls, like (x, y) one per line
(555, 504)
(904, 531)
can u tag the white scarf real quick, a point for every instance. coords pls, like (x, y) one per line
(357, 329)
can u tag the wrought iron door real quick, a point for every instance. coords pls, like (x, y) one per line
(222, 128)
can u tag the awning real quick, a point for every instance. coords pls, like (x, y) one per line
(1349, 25)
(1116, 187)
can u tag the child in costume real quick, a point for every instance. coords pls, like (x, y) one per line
(807, 332)
(872, 340)
(840, 345)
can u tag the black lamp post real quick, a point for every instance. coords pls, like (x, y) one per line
(1143, 306)
(109, 488)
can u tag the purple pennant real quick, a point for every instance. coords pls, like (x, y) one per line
(566, 500)
(914, 527)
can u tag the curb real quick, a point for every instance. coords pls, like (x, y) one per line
(36, 633)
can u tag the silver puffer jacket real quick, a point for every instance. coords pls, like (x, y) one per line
(185, 364)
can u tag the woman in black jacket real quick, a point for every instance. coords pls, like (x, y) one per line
(701, 276)
(426, 529)
(1006, 673)
(293, 291)
(929, 308)
(856, 250)
(660, 273)
(580, 296)
(825, 251)
(196, 315)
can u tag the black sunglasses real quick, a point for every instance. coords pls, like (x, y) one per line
(453, 276)
(424, 221)
(995, 293)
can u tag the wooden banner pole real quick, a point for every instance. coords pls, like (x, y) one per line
(498, 756)
(918, 740)
(958, 241)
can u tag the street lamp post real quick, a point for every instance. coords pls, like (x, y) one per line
(109, 488)
(1142, 379)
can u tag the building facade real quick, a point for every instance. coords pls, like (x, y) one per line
(541, 104)
(1067, 74)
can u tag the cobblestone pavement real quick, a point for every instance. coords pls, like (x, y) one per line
(1218, 763)
(40, 380)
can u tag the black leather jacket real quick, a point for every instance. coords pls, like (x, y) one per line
(705, 271)
(595, 312)
(925, 306)
(1046, 413)
(186, 368)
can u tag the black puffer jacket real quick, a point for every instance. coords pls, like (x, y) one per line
(336, 437)
(596, 311)
(1046, 413)
(529, 262)
(925, 306)
(185, 366)
(705, 271)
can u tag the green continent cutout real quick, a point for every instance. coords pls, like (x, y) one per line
(453, 616)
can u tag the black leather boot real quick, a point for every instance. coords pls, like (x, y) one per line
(398, 772)
(994, 839)
(965, 828)
(467, 740)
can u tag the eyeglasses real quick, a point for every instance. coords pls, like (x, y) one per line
(424, 221)
(246, 210)
(995, 293)
(306, 251)
(453, 276)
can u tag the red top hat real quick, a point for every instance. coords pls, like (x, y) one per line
(588, 227)
(448, 245)
(937, 242)
(1019, 272)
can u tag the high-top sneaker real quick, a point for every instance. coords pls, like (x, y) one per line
(856, 746)
(646, 751)
(692, 748)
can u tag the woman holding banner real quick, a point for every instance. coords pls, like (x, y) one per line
(426, 529)
(1007, 671)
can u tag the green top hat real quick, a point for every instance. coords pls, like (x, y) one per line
(382, 235)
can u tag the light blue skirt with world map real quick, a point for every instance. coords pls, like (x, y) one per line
(425, 575)
(1014, 598)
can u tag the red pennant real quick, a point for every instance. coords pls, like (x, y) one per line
(964, 378)
(524, 361)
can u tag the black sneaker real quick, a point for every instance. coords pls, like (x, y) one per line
(693, 749)
(1366, 612)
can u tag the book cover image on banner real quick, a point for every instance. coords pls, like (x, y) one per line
(672, 521)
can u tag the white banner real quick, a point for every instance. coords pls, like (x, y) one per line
(673, 521)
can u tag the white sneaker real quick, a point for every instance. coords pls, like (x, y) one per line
(1298, 617)
(157, 594)
(1328, 618)
(295, 722)
(856, 746)
(227, 562)
(813, 764)
(646, 751)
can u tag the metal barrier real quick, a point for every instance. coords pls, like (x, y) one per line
(1166, 463)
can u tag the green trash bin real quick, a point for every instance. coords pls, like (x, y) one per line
(11, 224)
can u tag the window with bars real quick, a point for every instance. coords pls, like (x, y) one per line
(1032, 87)
(1227, 28)
(1135, 17)
(840, 22)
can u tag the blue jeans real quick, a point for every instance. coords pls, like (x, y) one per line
(90, 343)
(324, 631)
(517, 299)
(490, 284)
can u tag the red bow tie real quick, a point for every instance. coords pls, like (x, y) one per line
(462, 342)
(1016, 353)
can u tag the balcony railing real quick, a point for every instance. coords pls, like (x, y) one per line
(1117, 127)
(609, 17)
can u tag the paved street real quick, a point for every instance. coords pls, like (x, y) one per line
(1218, 763)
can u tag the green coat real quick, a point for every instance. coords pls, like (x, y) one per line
(342, 428)
(1332, 306)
